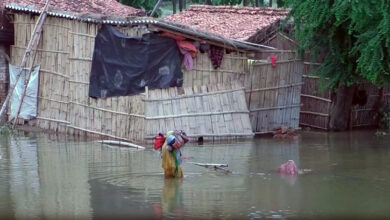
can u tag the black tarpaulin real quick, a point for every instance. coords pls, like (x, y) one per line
(123, 65)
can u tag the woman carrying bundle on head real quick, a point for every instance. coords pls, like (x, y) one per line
(171, 154)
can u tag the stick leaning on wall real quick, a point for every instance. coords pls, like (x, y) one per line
(30, 52)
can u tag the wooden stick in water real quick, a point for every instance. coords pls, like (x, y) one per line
(216, 166)
(121, 143)
(209, 164)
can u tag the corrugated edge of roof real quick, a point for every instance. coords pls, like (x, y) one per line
(163, 24)
(79, 18)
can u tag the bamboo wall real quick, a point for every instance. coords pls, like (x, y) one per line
(212, 112)
(366, 116)
(65, 55)
(316, 104)
(273, 93)
(234, 68)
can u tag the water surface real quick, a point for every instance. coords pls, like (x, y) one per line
(45, 176)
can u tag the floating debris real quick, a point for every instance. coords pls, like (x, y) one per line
(284, 132)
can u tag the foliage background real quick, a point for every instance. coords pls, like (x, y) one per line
(351, 37)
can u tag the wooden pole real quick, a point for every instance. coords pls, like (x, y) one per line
(31, 48)
(155, 8)
(121, 143)
(34, 44)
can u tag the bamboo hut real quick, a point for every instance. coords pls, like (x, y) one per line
(212, 103)
(272, 89)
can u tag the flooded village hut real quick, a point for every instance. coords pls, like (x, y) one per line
(212, 99)
(273, 78)
(104, 8)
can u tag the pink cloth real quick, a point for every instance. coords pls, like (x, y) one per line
(273, 60)
(187, 60)
(288, 168)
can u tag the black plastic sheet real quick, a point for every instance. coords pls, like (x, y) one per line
(123, 65)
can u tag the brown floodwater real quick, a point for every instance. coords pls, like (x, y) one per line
(45, 176)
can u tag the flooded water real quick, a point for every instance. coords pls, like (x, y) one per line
(51, 177)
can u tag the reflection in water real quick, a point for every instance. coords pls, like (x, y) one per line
(53, 178)
(172, 198)
(46, 181)
(24, 177)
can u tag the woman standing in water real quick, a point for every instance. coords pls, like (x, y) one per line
(171, 154)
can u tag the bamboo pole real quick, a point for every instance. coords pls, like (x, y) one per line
(276, 107)
(192, 95)
(155, 8)
(275, 87)
(122, 143)
(196, 114)
(41, 50)
(316, 97)
(214, 135)
(314, 113)
(313, 126)
(31, 48)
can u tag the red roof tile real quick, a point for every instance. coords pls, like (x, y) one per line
(237, 23)
(101, 7)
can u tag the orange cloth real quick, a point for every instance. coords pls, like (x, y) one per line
(187, 46)
(173, 36)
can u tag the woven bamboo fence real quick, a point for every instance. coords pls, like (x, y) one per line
(211, 112)
(65, 56)
(273, 93)
(234, 68)
(316, 104)
(366, 116)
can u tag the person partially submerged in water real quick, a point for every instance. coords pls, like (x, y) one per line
(290, 168)
(171, 154)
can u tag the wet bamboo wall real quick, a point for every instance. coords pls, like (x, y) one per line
(211, 112)
(233, 69)
(316, 103)
(273, 93)
(65, 55)
(367, 115)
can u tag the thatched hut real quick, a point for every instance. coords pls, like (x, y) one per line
(211, 103)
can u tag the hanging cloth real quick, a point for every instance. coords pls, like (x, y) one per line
(216, 56)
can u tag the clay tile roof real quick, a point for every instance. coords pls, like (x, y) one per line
(101, 7)
(239, 23)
